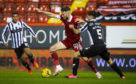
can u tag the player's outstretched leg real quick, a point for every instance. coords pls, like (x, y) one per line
(55, 57)
(58, 67)
(116, 69)
(106, 56)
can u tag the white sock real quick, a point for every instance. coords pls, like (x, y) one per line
(58, 66)
(97, 73)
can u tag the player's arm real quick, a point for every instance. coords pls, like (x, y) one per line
(84, 27)
(80, 21)
(76, 31)
(3, 36)
(48, 14)
(30, 30)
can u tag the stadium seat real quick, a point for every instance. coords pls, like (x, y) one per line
(45, 2)
(68, 1)
(21, 9)
(102, 2)
(92, 0)
(33, 1)
(8, 9)
(105, 1)
(44, 7)
(1, 1)
(79, 11)
(56, 9)
(9, 1)
(56, 1)
(90, 8)
(5, 18)
(81, 17)
(31, 8)
(31, 19)
(1, 8)
(42, 19)
(0, 19)
(21, 1)
(66, 5)
(22, 17)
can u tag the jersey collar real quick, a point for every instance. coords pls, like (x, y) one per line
(69, 20)
(13, 22)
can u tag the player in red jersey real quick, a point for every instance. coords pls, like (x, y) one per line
(72, 41)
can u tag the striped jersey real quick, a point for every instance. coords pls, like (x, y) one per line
(16, 33)
(94, 30)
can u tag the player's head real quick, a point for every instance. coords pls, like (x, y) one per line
(65, 13)
(15, 17)
(91, 15)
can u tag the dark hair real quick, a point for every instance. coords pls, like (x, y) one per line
(14, 13)
(93, 13)
(65, 9)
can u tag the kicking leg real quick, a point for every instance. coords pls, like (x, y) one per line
(116, 69)
(106, 56)
(54, 55)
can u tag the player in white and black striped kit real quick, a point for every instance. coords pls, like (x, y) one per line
(98, 47)
(19, 43)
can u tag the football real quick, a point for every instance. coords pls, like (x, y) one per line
(46, 73)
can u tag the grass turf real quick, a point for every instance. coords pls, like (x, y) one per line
(16, 77)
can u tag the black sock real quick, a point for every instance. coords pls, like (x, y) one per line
(116, 69)
(26, 65)
(31, 58)
(75, 65)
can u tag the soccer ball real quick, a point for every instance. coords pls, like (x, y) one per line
(46, 73)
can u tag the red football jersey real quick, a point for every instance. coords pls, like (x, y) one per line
(71, 36)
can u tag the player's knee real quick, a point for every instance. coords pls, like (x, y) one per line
(85, 59)
(29, 53)
(76, 54)
(52, 49)
(90, 59)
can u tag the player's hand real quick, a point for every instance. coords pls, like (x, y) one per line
(36, 38)
(79, 21)
(38, 10)
(71, 26)
(6, 45)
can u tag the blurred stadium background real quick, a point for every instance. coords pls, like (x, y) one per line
(117, 16)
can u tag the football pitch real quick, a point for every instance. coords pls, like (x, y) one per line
(18, 77)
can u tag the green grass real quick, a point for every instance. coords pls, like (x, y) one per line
(16, 77)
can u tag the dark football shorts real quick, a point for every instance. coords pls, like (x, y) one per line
(20, 51)
(96, 50)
